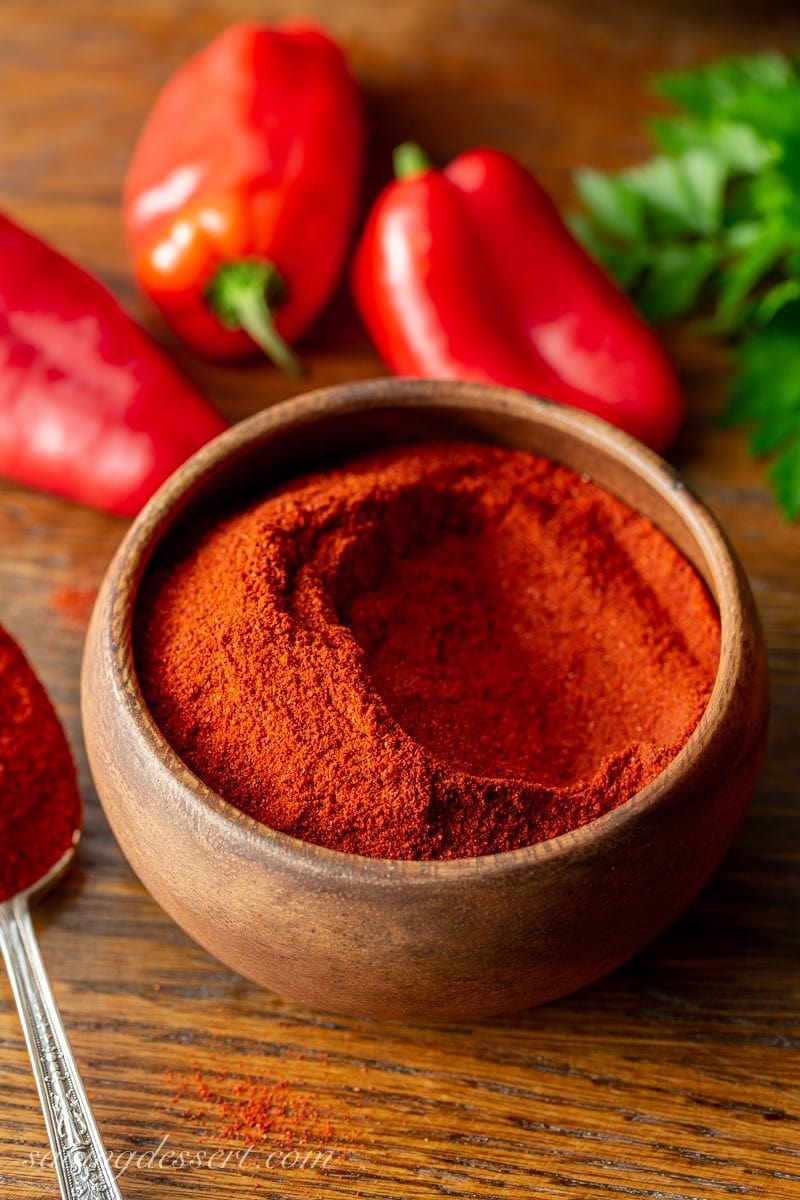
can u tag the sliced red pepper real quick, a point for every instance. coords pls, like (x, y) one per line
(90, 408)
(243, 190)
(470, 273)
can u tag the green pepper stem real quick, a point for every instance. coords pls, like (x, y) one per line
(410, 159)
(242, 295)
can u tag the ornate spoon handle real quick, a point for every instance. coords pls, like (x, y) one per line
(81, 1163)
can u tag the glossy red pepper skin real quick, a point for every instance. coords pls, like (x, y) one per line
(253, 152)
(470, 273)
(90, 408)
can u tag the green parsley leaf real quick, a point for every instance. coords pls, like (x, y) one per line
(747, 269)
(740, 147)
(613, 203)
(785, 476)
(674, 279)
(622, 264)
(776, 298)
(766, 397)
(681, 195)
(720, 87)
(710, 226)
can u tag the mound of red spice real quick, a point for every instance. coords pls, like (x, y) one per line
(431, 652)
(40, 808)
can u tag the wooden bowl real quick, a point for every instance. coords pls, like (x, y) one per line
(438, 940)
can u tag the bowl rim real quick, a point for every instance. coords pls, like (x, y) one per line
(118, 595)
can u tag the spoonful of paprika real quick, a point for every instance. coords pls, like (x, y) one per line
(40, 819)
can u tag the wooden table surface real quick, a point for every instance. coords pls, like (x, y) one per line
(675, 1078)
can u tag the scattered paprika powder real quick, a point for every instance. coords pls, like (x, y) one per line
(251, 1111)
(40, 808)
(74, 602)
(434, 651)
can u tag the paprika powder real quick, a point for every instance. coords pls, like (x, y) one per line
(433, 651)
(251, 1111)
(40, 808)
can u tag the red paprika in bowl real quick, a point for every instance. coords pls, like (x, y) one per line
(429, 652)
(433, 940)
(242, 192)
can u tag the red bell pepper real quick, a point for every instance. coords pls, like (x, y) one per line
(243, 190)
(89, 407)
(469, 273)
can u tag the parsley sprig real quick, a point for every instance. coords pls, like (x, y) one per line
(710, 227)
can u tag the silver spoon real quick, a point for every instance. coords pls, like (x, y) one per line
(81, 1162)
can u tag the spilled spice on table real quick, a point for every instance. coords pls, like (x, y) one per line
(251, 1111)
(73, 602)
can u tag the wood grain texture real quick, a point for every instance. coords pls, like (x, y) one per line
(677, 1078)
